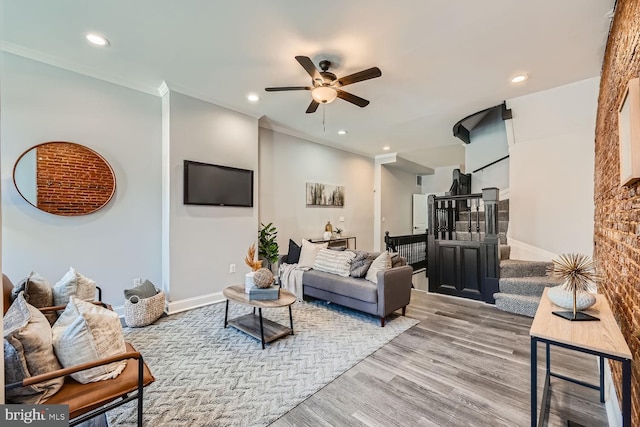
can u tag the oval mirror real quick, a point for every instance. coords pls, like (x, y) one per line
(64, 178)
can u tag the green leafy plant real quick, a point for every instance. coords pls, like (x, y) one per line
(267, 244)
(338, 231)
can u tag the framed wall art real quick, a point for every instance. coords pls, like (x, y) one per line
(629, 133)
(325, 194)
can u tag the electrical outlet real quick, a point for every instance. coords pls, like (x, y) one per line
(137, 281)
(232, 268)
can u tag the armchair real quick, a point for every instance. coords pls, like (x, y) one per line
(86, 401)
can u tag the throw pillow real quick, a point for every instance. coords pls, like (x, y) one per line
(360, 264)
(335, 262)
(37, 290)
(28, 352)
(309, 252)
(145, 290)
(381, 263)
(73, 283)
(87, 332)
(293, 256)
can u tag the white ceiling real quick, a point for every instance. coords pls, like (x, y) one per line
(440, 60)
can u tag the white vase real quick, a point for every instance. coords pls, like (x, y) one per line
(563, 298)
(327, 235)
(248, 281)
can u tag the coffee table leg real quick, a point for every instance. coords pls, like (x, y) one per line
(291, 320)
(226, 314)
(261, 328)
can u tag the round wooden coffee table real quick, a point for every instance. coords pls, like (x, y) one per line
(262, 329)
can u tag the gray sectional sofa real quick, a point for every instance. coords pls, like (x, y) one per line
(392, 292)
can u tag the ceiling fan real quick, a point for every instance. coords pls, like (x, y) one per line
(326, 86)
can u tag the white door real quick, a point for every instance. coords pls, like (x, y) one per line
(419, 213)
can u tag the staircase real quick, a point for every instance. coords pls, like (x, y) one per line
(521, 282)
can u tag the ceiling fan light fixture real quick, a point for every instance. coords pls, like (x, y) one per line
(324, 94)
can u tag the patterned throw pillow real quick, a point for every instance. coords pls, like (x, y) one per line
(28, 352)
(37, 290)
(87, 332)
(382, 263)
(73, 283)
(335, 262)
(309, 252)
(360, 264)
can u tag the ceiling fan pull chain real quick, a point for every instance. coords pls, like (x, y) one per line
(324, 128)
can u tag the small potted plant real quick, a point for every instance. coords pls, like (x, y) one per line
(267, 244)
(339, 232)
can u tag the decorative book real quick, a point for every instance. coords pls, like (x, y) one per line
(270, 293)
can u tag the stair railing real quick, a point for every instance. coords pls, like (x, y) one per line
(413, 247)
(443, 215)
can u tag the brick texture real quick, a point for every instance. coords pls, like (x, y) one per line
(617, 209)
(71, 179)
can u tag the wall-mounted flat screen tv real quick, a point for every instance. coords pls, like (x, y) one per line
(207, 184)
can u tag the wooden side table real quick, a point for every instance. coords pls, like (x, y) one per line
(600, 338)
(262, 329)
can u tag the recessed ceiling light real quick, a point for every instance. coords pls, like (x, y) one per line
(252, 97)
(519, 78)
(342, 132)
(386, 147)
(97, 39)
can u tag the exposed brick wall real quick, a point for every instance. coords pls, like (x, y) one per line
(71, 179)
(617, 209)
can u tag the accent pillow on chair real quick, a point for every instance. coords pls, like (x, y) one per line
(309, 253)
(86, 332)
(37, 292)
(28, 351)
(73, 283)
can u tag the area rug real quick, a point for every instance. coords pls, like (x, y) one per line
(210, 376)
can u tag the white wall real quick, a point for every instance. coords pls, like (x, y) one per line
(397, 202)
(551, 173)
(440, 182)
(287, 163)
(202, 241)
(119, 242)
(488, 144)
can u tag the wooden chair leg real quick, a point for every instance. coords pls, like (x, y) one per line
(382, 322)
(404, 310)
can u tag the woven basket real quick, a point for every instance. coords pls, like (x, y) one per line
(145, 311)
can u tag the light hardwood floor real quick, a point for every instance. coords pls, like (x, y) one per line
(464, 364)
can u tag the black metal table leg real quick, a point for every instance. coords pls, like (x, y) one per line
(261, 328)
(601, 379)
(626, 393)
(226, 314)
(534, 382)
(291, 320)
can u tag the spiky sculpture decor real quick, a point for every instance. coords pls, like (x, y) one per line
(579, 274)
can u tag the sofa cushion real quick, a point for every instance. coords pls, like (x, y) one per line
(73, 283)
(360, 264)
(145, 290)
(309, 252)
(335, 262)
(396, 259)
(293, 256)
(87, 332)
(381, 263)
(28, 352)
(359, 289)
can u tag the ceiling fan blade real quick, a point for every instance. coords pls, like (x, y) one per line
(360, 102)
(307, 64)
(312, 107)
(278, 89)
(367, 74)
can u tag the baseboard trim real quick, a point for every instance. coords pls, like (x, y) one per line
(174, 307)
(521, 250)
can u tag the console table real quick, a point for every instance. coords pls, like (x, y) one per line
(337, 242)
(599, 338)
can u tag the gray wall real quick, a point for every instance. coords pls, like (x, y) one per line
(287, 163)
(121, 241)
(398, 188)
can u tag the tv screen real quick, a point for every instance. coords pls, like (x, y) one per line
(206, 184)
